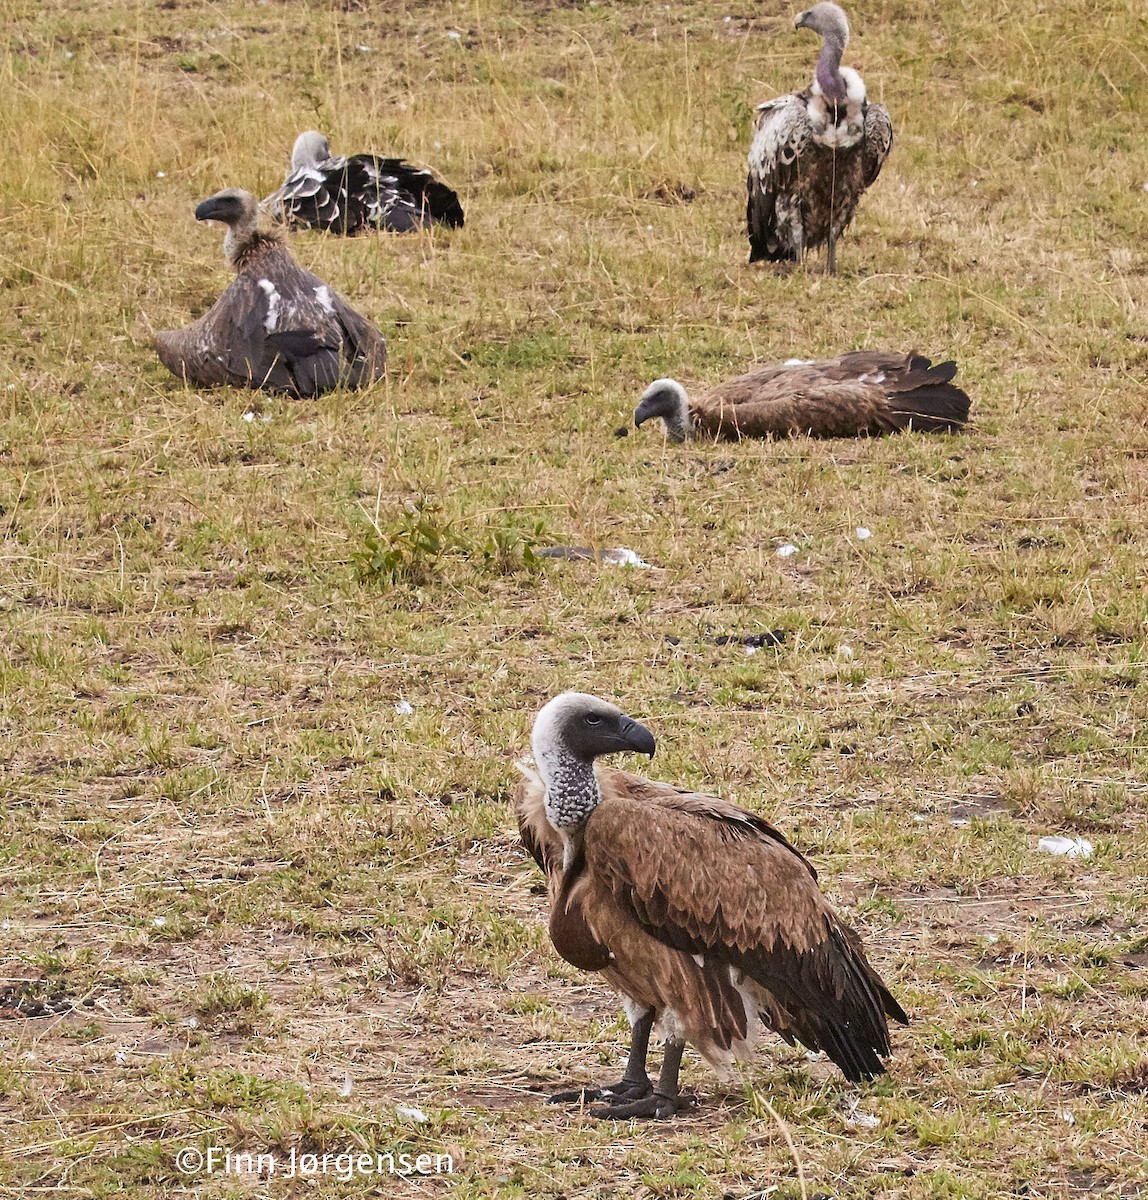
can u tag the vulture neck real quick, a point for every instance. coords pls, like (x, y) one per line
(828, 72)
(572, 792)
(242, 244)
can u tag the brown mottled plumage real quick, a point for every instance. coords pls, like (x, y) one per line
(861, 394)
(814, 153)
(700, 914)
(276, 326)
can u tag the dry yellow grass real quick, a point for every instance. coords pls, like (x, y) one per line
(253, 880)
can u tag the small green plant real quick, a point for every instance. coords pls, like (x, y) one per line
(408, 551)
(412, 549)
(508, 548)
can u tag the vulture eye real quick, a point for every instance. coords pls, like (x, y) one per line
(593, 719)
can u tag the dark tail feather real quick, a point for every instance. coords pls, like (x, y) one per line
(438, 200)
(444, 205)
(889, 1003)
(933, 408)
(941, 373)
(921, 396)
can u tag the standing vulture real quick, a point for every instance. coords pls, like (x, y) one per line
(814, 153)
(349, 194)
(277, 326)
(861, 394)
(700, 914)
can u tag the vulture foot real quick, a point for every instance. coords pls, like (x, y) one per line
(656, 1106)
(614, 1093)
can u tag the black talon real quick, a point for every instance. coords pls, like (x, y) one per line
(655, 1106)
(624, 1089)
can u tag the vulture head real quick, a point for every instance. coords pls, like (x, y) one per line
(666, 398)
(826, 19)
(310, 149)
(569, 734)
(239, 211)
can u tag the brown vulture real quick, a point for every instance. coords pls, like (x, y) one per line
(860, 394)
(699, 914)
(814, 153)
(276, 326)
(361, 191)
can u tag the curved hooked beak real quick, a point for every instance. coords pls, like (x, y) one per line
(212, 209)
(646, 410)
(635, 736)
(800, 19)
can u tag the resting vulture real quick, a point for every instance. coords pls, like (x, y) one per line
(277, 326)
(700, 914)
(363, 191)
(814, 153)
(861, 394)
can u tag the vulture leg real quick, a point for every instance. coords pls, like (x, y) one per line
(635, 1083)
(831, 252)
(665, 1100)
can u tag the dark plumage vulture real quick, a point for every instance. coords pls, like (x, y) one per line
(861, 394)
(814, 153)
(277, 326)
(701, 915)
(362, 191)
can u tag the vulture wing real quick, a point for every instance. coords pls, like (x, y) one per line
(228, 344)
(781, 133)
(315, 197)
(397, 196)
(709, 879)
(277, 327)
(876, 142)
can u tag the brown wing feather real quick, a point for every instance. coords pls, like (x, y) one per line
(226, 345)
(876, 144)
(709, 879)
(591, 931)
(861, 394)
(279, 327)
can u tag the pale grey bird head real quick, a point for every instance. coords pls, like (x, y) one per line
(826, 19)
(666, 398)
(569, 734)
(232, 206)
(238, 210)
(311, 148)
(583, 727)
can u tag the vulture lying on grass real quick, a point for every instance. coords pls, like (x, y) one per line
(700, 914)
(814, 153)
(861, 394)
(276, 326)
(363, 191)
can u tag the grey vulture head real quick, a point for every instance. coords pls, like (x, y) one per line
(826, 19)
(665, 398)
(238, 210)
(582, 727)
(311, 148)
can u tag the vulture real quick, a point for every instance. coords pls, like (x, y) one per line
(276, 326)
(814, 153)
(860, 394)
(349, 194)
(702, 916)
